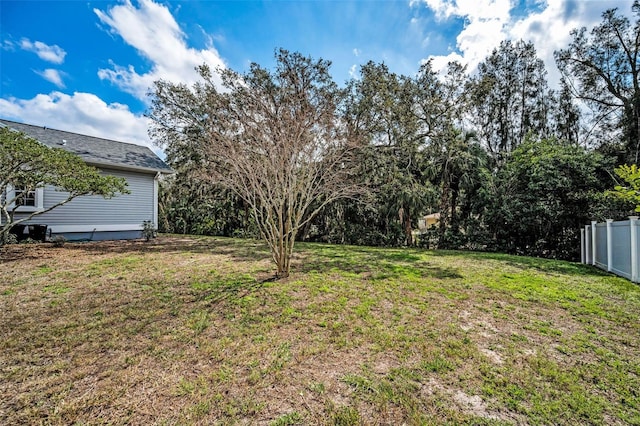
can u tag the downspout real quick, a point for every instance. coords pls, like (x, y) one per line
(155, 200)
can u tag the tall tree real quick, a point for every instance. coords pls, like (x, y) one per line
(566, 115)
(274, 138)
(453, 157)
(456, 162)
(510, 98)
(603, 67)
(380, 112)
(27, 164)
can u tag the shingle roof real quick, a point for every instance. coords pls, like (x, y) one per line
(95, 151)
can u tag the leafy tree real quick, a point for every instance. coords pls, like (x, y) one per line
(630, 192)
(273, 138)
(603, 68)
(454, 159)
(510, 98)
(189, 204)
(379, 110)
(566, 116)
(544, 195)
(442, 100)
(456, 162)
(27, 164)
(188, 201)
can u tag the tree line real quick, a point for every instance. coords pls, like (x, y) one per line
(508, 163)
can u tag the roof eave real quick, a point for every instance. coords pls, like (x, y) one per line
(125, 167)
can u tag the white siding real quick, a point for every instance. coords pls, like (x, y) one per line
(88, 212)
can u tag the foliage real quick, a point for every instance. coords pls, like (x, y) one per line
(543, 196)
(149, 230)
(58, 241)
(604, 71)
(191, 204)
(457, 164)
(566, 116)
(631, 192)
(453, 159)
(444, 142)
(27, 164)
(379, 111)
(510, 98)
(8, 238)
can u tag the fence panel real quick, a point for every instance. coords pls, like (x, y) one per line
(613, 246)
(601, 245)
(621, 247)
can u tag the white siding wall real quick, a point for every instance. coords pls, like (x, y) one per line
(84, 214)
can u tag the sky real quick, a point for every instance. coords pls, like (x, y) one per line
(87, 66)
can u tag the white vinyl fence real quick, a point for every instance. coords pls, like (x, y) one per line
(613, 246)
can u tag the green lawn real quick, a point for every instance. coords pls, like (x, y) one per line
(189, 330)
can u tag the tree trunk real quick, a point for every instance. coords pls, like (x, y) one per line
(282, 266)
(407, 227)
(444, 206)
(283, 255)
(455, 188)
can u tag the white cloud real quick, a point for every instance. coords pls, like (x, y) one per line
(54, 54)
(53, 76)
(442, 8)
(439, 63)
(356, 52)
(488, 22)
(8, 45)
(83, 113)
(353, 71)
(550, 29)
(153, 31)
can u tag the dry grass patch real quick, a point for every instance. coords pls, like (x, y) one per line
(190, 331)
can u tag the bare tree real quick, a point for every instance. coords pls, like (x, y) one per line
(273, 138)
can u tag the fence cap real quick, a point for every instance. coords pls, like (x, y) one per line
(633, 217)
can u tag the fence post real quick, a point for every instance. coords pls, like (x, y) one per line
(583, 253)
(609, 246)
(587, 245)
(593, 242)
(634, 248)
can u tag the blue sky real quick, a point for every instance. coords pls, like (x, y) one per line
(86, 66)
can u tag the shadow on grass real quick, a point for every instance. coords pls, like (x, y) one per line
(240, 250)
(229, 289)
(526, 262)
(377, 263)
(309, 257)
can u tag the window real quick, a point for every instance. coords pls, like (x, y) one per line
(26, 198)
(26, 201)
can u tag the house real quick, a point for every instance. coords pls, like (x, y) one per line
(93, 217)
(429, 221)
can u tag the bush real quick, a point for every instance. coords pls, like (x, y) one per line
(58, 241)
(148, 230)
(8, 239)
